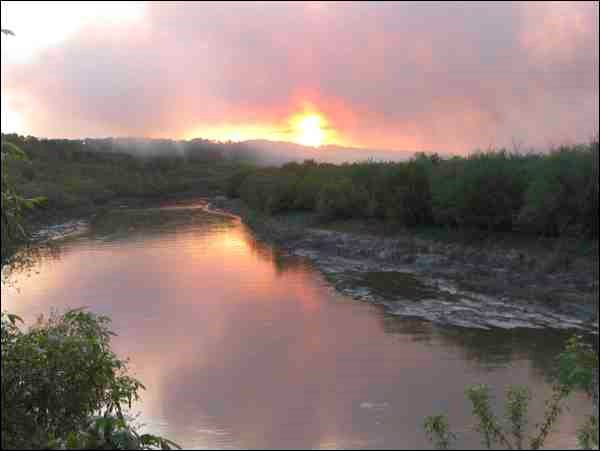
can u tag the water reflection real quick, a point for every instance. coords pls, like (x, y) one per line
(489, 349)
(24, 263)
(243, 347)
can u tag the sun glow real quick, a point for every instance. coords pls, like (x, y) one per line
(310, 130)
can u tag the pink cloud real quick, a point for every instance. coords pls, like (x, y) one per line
(409, 75)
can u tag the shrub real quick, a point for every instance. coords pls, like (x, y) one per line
(269, 191)
(337, 199)
(409, 197)
(563, 195)
(485, 190)
(235, 182)
(57, 375)
(577, 365)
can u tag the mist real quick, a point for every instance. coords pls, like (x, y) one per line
(259, 152)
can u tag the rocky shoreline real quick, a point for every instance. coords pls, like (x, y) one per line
(445, 283)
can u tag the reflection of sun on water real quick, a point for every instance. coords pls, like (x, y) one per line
(229, 241)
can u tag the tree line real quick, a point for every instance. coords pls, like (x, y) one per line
(552, 194)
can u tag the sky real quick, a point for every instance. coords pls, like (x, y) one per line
(449, 77)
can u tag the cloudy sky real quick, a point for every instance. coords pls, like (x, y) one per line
(414, 76)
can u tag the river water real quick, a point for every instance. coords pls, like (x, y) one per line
(242, 347)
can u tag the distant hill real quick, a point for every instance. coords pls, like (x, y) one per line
(276, 153)
(261, 152)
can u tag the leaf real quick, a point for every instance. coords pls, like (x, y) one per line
(30, 204)
(72, 442)
(438, 431)
(149, 440)
(14, 319)
(12, 151)
(168, 444)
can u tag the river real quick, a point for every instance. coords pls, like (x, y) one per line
(243, 347)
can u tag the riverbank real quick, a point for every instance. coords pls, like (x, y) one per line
(481, 283)
(206, 277)
(49, 225)
(488, 283)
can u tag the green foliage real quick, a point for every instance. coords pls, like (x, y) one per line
(551, 194)
(517, 404)
(57, 376)
(563, 194)
(488, 426)
(74, 174)
(576, 365)
(493, 433)
(60, 374)
(337, 198)
(554, 194)
(553, 410)
(235, 182)
(483, 191)
(587, 436)
(13, 205)
(408, 197)
(438, 431)
(268, 191)
(112, 433)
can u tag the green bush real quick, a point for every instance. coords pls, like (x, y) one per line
(409, 198)
(269, 191)
(61, 387)
(235, 182)
(13, 205)
(563, 194)
(112, 433)
(76, 174)
(577, 366)
(338, 199)
(485, 191)
(307, 191)
(57, 375)
(553, 194)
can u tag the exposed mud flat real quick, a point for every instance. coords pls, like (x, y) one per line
(446, 284)
(405, 291)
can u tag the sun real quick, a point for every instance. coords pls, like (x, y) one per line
(310, 130)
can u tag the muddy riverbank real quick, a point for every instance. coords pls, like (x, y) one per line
(475, 286)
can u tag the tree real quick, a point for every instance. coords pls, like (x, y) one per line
(63, 387)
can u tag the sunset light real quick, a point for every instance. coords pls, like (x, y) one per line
(232, 186)
(310, 131)
(307, 128)
(290, 72)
